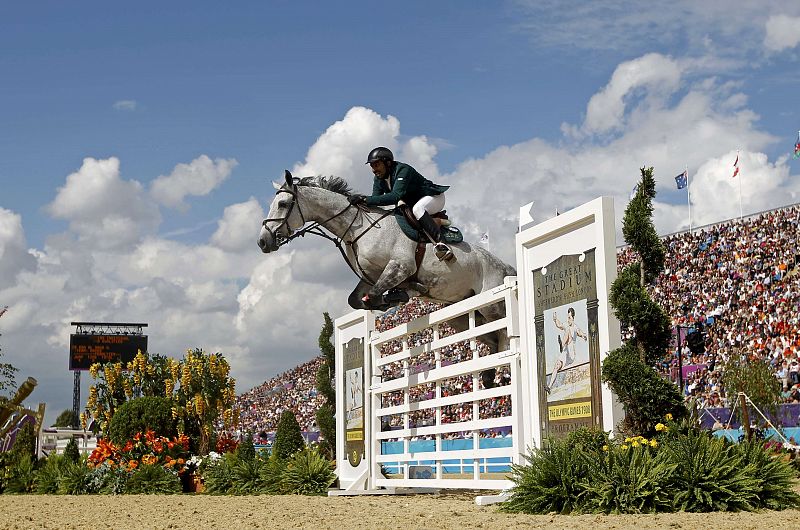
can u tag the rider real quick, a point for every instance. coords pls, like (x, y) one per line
(395, 181)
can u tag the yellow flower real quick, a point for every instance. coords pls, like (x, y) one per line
(94, 369)
(605, 447)
(668, 416)
(635, 443)
(623, 446)
(653, 443)
(660, 427)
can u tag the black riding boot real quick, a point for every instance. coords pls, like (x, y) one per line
(431, 229)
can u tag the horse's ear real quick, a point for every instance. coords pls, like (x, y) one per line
(288, 176)
(276, 185)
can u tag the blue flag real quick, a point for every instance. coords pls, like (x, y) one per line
(682, 180)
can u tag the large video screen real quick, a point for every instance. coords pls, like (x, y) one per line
(85, 350)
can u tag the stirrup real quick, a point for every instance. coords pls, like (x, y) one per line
(443, 252)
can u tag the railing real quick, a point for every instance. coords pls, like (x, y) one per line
(416, 439)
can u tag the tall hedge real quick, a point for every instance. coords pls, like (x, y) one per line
(139, 415)
(326, 420)
(646, 396)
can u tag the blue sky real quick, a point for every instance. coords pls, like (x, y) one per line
(137, 144)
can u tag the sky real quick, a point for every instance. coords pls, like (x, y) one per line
(138, 145)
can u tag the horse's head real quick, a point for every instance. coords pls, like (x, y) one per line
(283, 218)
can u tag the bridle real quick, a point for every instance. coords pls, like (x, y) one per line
(316, 228)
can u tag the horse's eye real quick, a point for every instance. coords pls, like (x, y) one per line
(283, 204)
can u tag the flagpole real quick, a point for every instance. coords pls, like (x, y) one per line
(740, 188)
(689, 198)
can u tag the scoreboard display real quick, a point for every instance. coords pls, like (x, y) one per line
(87, 349)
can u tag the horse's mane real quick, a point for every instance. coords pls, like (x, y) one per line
(334, 184)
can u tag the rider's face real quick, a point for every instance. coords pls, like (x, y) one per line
(379, 168)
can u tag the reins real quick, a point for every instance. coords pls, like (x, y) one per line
(316, 228)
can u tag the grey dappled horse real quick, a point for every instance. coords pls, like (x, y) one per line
(377, 250)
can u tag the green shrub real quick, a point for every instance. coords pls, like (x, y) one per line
(630, 480)
(776, 478)
(272, 476)
(645, 395)
(25, 443)
(218, 476)
(553, 480)
(152, 479)
(21, 476)
(71, 452)
(246, 451)
(76, 479)
(247, 476)
(710, 474)
(308, 473)
(142, 414)
(49, 474)
(288, 438)
(590, 439)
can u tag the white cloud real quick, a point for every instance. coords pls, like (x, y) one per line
(199, 177)
(343, 148)
(236, 231)
(125, 105)
(782, 32)
(655, 75)
(102, 208)
(14, 255)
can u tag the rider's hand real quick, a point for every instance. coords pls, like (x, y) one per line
(357, 199)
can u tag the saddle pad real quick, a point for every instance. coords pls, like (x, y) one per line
(450, 234)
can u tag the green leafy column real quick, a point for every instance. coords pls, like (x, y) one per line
(646, 396)
(326, 420)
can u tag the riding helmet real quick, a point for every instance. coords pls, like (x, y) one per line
(380, 153)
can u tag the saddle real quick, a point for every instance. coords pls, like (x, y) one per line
(411, 228)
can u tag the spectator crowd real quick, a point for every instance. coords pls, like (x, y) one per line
(739, 279)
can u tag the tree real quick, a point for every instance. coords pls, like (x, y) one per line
(67, 418)
(288, 439)
(757, 381)
(646, 396)
(326, 420)
(7, 371)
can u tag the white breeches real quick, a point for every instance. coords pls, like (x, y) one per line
(430, 204)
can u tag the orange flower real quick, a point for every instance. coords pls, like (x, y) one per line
(149, 460)
(158, 446)
(132, 464)
(181, 461)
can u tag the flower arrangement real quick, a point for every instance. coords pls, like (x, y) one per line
(144, 449)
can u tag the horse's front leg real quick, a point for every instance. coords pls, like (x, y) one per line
(356, 297)
(394, 274)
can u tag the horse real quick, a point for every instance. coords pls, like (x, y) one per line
(378, 251)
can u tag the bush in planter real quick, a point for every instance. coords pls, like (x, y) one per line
(142, 414)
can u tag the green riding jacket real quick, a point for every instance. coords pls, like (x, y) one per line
(407, 184)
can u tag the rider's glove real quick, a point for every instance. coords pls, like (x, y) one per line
(357, 199)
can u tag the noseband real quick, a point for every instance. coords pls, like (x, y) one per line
(281, 240)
